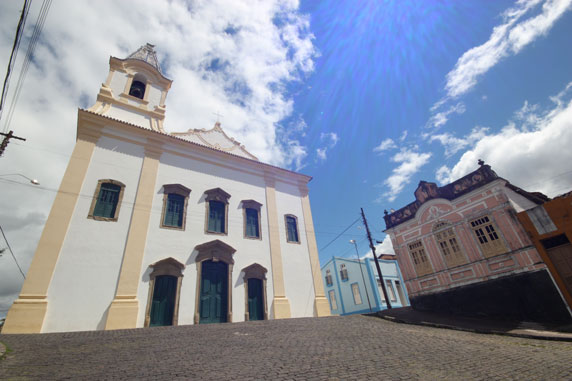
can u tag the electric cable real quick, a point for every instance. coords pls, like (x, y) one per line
(14, 53)
(13, 256)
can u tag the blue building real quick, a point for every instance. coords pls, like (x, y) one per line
(353, 287)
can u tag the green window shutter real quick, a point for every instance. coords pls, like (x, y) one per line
(174, 210)
(252, 223)
(216, 217)
(107, 200)
(292, 230)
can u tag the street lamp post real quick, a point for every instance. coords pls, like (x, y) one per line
(362, 277)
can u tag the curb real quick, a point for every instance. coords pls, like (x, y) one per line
(476, 330)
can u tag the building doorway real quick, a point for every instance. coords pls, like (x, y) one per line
(163, 304)
(214, 292)
(255, 299)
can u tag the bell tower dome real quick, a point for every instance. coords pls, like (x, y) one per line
(135, 90)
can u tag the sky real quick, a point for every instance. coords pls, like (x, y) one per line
(367, 97)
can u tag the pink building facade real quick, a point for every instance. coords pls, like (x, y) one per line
(462, 250)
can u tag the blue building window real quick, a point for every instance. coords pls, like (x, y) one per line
(329, 281)
(333, 302)
(356, 293)
(344, 273)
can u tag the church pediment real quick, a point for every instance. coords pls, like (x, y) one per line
(215, 138)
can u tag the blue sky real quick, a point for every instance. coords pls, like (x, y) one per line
(368, 97)
(381, 69)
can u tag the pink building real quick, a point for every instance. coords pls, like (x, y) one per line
(462, 250)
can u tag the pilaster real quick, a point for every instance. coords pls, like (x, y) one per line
(321, 305)
(28, 311)
(280, 305)
(125, 306)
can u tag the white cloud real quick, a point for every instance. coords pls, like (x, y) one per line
(536, 158)
(331, 139)
(506, 39)
(381, 248)
(440, 118)
(453, 144)
(231, 57)
(410, 163)
(385, 145)
(403, 136)
(518, 29)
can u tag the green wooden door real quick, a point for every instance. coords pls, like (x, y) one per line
(214, 292)
(163, 304)
(255, 301)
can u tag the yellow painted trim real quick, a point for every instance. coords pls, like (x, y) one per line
(28, 312)
(280, 305)
(321, 305)
(125, 307)
(109, 76)
(283, 175)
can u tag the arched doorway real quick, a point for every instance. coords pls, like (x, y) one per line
(213, 302)
(255, 284)
(164, 290)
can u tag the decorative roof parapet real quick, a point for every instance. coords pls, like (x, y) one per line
(215, 138)
(428, 191)
(146, 53)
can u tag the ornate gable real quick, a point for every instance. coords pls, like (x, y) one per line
(215, 138)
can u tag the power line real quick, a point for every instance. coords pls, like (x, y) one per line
(338, 236)
(28, 59)
(14, 53)
(13, 256)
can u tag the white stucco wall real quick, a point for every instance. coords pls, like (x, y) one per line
(200, 176)
(86, 274)
(298, 281)
(85, 277)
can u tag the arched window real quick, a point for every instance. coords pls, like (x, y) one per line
(138, 86)
(106, 200)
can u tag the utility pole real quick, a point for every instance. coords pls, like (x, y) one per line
(362, 276)
(6, 140)
(376, 261)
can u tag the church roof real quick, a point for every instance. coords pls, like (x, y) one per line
(146, 53)
(215, 138)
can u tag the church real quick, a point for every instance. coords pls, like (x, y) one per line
(150, 228)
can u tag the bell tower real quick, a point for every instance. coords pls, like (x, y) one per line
(135, 90)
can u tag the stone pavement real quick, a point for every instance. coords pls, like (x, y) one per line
(351, 347)
(479, 325)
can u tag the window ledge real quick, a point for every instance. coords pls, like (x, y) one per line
(172, 227)
(98, 218)
(215, 233)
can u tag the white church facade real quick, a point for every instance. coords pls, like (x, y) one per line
(150, 228)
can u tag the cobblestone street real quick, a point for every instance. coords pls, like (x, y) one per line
(353, 347)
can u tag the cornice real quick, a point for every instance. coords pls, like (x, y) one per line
(268, 171)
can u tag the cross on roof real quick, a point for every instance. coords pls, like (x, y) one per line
(218, 115)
